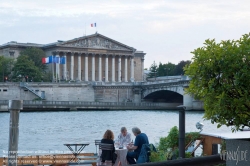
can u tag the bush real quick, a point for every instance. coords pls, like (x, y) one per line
(168, 146)
(171, 141)
(191, 136)
(158, 156)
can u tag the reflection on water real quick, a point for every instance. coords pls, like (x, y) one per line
(48, 131)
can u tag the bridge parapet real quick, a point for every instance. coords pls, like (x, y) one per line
(78, 105)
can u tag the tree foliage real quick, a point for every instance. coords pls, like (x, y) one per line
(153, 70)
(6, 65)
(26, 67)
(179, 68)
(220, 77)
(168, 69)
(36, 55)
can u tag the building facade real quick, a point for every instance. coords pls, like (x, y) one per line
(88, 58)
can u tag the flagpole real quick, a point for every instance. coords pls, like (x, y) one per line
(59, 71)
(52, 70)
(85, 29)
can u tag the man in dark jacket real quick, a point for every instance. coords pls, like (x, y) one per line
(140, 139)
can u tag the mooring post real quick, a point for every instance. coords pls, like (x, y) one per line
(14, 107)
(182, 132)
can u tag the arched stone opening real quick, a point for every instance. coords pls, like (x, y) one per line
(164, 96)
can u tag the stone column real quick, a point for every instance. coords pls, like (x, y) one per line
(79, 67)
(107, 68)
(188, 101)
(65, 67)
(119, 69)
(142, 69)
(93, 67)
(72, 67)
(100, 68)
(86, 67)
(126, 69)
(132, 69)
(113, 68)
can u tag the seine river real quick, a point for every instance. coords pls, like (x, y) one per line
(46, 132)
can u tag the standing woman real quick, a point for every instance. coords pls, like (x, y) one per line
(108, 138)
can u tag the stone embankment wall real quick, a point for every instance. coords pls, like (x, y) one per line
(53, 92)
(114, 94)
(82, 92)
(66, 92)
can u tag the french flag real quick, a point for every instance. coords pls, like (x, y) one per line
(93, 25)
(45, 60)
(50, 59)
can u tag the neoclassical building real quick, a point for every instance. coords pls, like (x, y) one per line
(88, 58)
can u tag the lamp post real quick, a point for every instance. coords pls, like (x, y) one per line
(182, 131)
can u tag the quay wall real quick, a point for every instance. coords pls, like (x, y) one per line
(84, 92)
(66, 92)
(53, 92)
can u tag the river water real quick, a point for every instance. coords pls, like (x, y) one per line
(46, 132)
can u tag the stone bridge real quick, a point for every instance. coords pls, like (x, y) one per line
(168, 91)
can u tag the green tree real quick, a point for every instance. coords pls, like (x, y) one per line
(220, 77)
(36, 55)
(161, 69)
(6, 65)
(153, 70)
(169, 69)
(164, 69)
(26, 67)
(179, 68)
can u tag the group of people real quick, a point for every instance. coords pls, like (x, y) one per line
(124, 138)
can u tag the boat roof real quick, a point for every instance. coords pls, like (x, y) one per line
(230, 135)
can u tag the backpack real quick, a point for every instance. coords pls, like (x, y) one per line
(145, 153)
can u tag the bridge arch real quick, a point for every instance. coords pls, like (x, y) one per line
(166, 96)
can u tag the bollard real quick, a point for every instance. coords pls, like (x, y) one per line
(182, 132)
(14, 107)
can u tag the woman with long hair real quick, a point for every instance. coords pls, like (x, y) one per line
(108, 138)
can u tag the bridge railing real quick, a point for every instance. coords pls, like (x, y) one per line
(82, 103)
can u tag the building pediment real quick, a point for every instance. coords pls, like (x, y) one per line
(96, 41)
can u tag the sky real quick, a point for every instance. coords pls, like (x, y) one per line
(166, 30)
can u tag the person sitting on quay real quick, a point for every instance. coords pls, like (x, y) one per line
(124, 137)
(108, 138)
(140, 139)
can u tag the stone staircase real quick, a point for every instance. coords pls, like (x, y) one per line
(25, 86)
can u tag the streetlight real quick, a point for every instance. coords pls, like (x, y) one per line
(199, 126)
